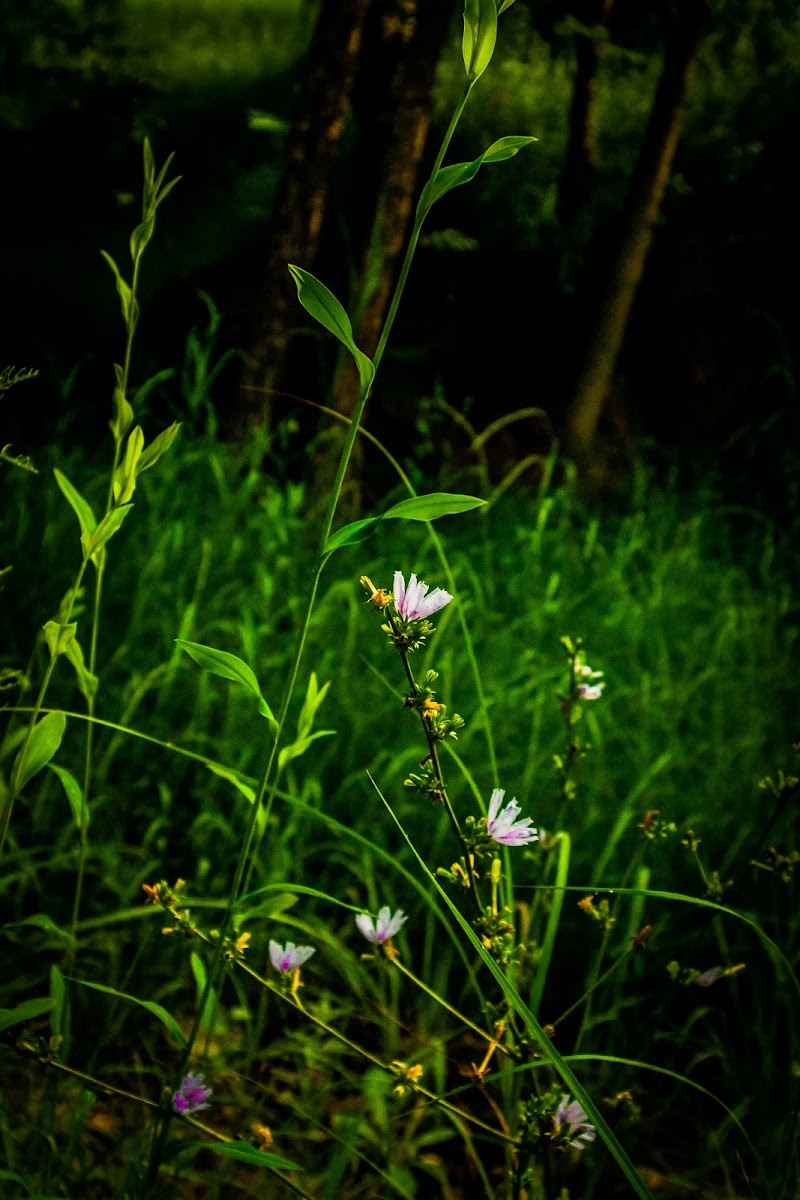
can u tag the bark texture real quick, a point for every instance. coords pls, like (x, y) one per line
(649, 179)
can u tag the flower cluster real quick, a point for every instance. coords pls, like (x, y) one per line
(191, 1096)
(591, 682)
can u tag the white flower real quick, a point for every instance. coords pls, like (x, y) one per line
(289, 957)
(386, 926)
(413, 602)
(504, 826)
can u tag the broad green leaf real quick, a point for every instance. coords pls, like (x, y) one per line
(244, 1152)
(430, 508)
(480, 35)
(166, 1019)
(87, 682)
(141, 236)
(323, 306)
(349, 535)
(58, 637)
(159, 445)
(43, 922)
(73, 793)
(40, 748)
(126, 472)
(453, 176)
(80, 507)
(92, 543)
(126, 296)
(228, 666)
(27, 1011)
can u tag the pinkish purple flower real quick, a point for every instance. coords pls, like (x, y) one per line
(570, 1113)
(191, 1096)
(504, 826)
(384, 928)
(289, 957)
(413, 602)
(590, 691)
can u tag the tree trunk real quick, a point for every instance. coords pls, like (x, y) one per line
(302, 197)
(580, 159)
(644, 201)
(397, 100)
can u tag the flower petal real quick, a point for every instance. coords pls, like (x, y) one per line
(367, 927)
(275, 954)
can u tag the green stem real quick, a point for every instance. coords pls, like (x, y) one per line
(453, 1011)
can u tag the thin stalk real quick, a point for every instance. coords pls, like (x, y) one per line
(453, 1011)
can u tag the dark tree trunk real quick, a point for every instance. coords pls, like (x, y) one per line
(302, 198)
(396, 97)
(580, 159)
(644, 202)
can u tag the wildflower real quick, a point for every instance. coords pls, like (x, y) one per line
(590, 691)
(708, 977)
(385, 927)
(414, 603)
(289, 957)
(569, 1113)
(191, 1096)
(377, 596)
(504, 826)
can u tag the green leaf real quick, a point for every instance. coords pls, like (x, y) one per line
(228, 666)
(430, 508)
(480, 35)
(244, 1152)
(323, 306)
(141, 236)
(58, 637)
(27, 1011)
(92, 543)
(314, 697)
(453, 176)
(87, 682)
(14, 1178)
(41, 746)
(80, 507)
(299, 747)
(123, 416)
(43, 922)
(73, 793)
(166, 1019)
(126, 472)
(243, 788)
(349, 535)
(159, 445)
(126, 296)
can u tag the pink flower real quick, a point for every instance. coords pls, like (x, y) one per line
(708, 977)
(414, 603)
(289, 957)
(570, 1113)
(504, 826)
(191, 1096)
(385, 927)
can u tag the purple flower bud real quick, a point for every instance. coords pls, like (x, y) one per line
(191, 1096)
(708, 977)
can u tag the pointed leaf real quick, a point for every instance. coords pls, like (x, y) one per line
(126, 296)
(349, 535)
(41, 747)
(323, 306)
(480, 35)
(58, 994)
(159, 445)
(430, 508)
(43, 922)
(453, 176)
(166, 1019)
(27, 1011)
(227, 666)
(73, 793)
(87, 682)
(80, 507)
(123, 416)
(125, 474)
(109, 525)
(244, 1152)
